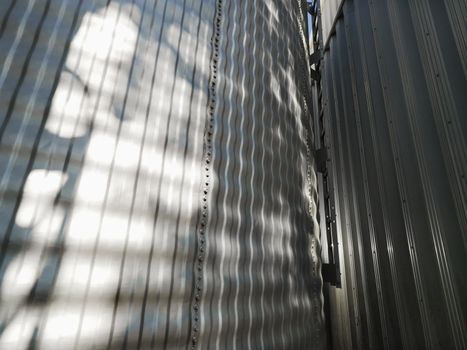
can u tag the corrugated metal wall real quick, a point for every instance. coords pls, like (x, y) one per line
(395, 107)
(156, 184)
(261, 287)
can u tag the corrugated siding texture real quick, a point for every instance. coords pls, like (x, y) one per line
(394, 91)
(156, 187)
(262, 287)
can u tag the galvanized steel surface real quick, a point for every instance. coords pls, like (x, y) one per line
(156, 186)
(262, 287)
(394, 96)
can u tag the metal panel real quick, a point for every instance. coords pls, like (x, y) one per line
(329, 12)
(261, 287)
(156, 182)
(394, 86)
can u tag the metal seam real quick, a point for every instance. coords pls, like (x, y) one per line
(207, 153)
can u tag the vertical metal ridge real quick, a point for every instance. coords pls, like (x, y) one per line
(241, 252)
(262, 174)
(455, 10)
(286, 337)
(403, 149)
(254, 110)
(6, 16)
(360, 286)
(446, 115)
(346, 228)
(355, 204)
(228, 174)
(428, 326)
(270, 323)
(19, 36)
(105, 201)
(132, 206)
(345, 318)
(370, 210)
(392, 248)
(7, 173)
(433, 62)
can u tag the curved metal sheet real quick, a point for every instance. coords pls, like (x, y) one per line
(156, 186)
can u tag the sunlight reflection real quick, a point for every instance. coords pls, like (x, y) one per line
(109, 40)
(36, 209)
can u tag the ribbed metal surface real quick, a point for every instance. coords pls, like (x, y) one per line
(394, 97)
(329, 11)
(262, 283)
(156, 185)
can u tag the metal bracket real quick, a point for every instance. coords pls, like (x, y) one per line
(329, 273)
(315, 57)
(315, 75)
(310, 6)
(321, 156)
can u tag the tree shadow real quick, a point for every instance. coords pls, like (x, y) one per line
(86, 66)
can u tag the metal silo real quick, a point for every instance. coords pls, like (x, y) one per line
(157, 185)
